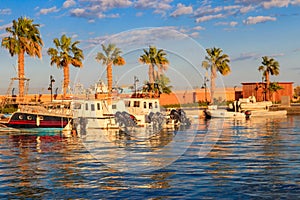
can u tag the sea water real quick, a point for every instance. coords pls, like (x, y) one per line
(214, 159)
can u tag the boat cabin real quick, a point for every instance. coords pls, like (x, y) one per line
(142, 106)
(88, 108)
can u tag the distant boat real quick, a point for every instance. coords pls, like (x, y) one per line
(244, 108)
(214, 112)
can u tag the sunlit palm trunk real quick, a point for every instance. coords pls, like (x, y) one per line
(21, 73)
(109, 82)
(109, 78)
(212, 83)
(267, 86)
(151, 79)
(66, 80)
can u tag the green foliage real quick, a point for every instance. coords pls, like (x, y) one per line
(152, 58)
(297, 91)
(8, 109)
(216, 61)
(23, 36)
(274, 87)
(65, 53)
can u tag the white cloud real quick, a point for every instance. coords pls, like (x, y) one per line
(232, 23)
(208, 17)
(276, 3)
(295, 2)
(78, 12)
(110, 4)
(182, 10)
(159, 6)
(5, 11)
(69, 3)
(198, 28)
(194, 34)
(258, 19)
(45, 11)
(3, 27)
(246, 9)
(207, 10)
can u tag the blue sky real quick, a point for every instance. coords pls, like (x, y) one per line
(246, 30)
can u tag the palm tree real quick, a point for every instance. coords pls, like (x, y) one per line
(152, 58)
(24, 38)
(216, 62)
(161, 86)
(273, 88)
(65, 53)
(270, 66)
(111, 56)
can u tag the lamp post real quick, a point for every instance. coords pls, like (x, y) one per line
(205, 87)
(135, 81)
(50, 85)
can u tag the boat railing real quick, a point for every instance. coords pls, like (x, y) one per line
(41, 109)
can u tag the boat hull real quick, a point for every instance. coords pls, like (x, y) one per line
(23, 120)
(219, 113)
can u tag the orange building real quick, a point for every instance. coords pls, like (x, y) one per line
(258, 90)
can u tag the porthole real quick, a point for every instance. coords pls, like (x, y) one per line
(29, 117)
(21, 117)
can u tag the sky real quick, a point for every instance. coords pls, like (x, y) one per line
(245, 30)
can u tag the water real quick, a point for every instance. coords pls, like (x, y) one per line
(254, 159)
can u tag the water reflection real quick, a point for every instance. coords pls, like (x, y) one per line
(127, 153)
(256, 158)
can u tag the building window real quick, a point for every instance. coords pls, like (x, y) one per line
(136, 104)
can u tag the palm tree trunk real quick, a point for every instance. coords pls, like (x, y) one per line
(109, 78)
(151, 79)
(109, 82)
(21, 73)
(66, 80)
(212, 83)
(267, 86)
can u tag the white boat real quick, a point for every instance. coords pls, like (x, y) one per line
(214, 112)
(93, 114)
(250, 103)
(146, 112)
(244, 108)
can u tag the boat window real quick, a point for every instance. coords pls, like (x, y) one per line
(92, 107)
(127, 103)
(77, 106)
(150, 105)
(145, 104)
(98, 106)
(29, 117)
(136, 104)
(156, 104)
(86, 106)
